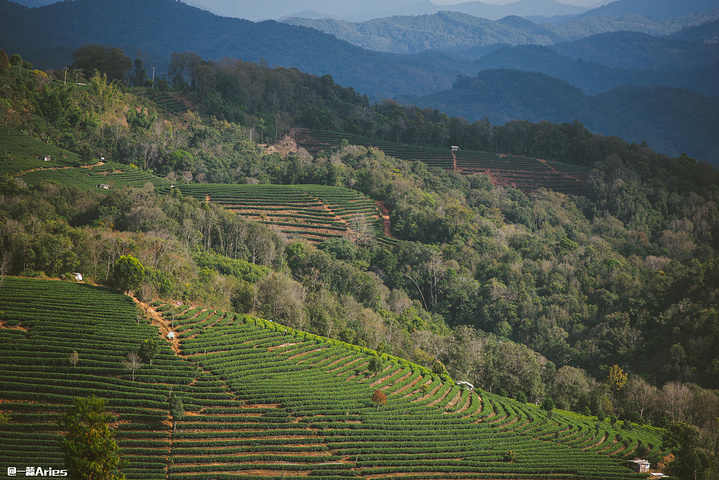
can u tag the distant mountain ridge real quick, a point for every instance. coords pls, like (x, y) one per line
(452, 31)
(141, 25)
(673, 121)
(350, 10)
(521, 8)
(353, 11)
(638, 51)
(592, 76)
(659, 9)
(444, 30)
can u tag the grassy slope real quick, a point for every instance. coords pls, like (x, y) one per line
(264, 403)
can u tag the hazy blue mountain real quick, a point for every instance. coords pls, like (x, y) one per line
(521, 8)
(453, 31)
(503, 95)
(672, 120)
(35, 3)
(144, 25)
(653, 8)
(592, 77)
(707, 33)
(580, 27)
(353, 11)
(349, 10)
(638, 51)
(441, 31)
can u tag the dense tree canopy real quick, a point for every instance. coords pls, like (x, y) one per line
(91, 452)
(105, 59)
(128, 273)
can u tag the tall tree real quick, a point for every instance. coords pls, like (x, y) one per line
(176, 409)
(91, 452)
(149, 349)
(690, 457)
(128, 273)
(379, 398)
(139, 75)
(105, 59)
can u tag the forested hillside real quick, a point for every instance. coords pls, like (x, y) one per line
(672, 120)
(604, 303)
(651, 8)
(208, 44)
(596, 75)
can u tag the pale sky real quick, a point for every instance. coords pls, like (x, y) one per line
(583, 3)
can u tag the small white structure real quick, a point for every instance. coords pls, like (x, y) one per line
(465, 384)
(78, 276)
(170, 335)
(455, 148)
(639, 465)
(46, 158)
(103, 185)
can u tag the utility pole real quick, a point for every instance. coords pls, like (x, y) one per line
(153, 77)
(65, 76)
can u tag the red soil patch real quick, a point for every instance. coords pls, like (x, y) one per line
(466, 405)
(440, 398)
(454, 401)
(386, 223)
(302, 354)
(17, 327)
(429, 393)
(408, 386)
(602, 440)
(269, 349)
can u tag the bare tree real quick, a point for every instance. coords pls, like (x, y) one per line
(675, 400)
(132, 362)
(282, 299)
(74, 358)
(640, 395)
(361, 229)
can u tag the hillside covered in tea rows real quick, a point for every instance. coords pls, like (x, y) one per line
(601, 301)
(260, 401)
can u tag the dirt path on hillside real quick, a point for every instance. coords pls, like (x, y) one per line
(20, 174)
(162, 324)
(386, 223)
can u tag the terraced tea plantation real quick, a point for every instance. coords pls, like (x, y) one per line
(524, 173)
(42, 324)
(164, 100)
(262, 401)
(314, 212)
(20, 153)
(109, 175)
